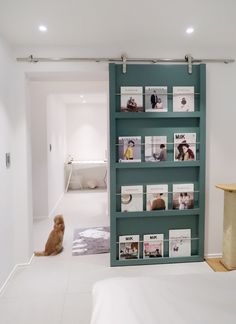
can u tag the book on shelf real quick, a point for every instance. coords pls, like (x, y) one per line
(157, 197)
(155, 148)
(131, 198)
(183, 196)
(131, 99)
(156, 99)
(128, 247)
(153, 246)
(130, 149)
(179, 243)
(183, 99)
(184, 146)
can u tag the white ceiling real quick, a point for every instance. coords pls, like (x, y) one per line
(108, 27)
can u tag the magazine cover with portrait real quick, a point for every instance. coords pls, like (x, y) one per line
(183, 196)
(130, 149)
(129, 247)
(153, 246)
(156, 99)
(131, 99)
(131, 198)
(155, 148)
(157, 197)
(184, 146)
(179, 243)
(183, 99)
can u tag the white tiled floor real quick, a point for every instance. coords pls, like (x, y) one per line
(57, 290)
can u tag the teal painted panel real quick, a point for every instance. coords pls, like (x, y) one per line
(150, 124)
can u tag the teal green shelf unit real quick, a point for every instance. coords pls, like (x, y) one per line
(150, 173)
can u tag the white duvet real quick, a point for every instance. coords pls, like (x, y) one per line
(173, 299)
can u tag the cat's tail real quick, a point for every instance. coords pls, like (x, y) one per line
(40, 253)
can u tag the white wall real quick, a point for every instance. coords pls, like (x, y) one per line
(15, 206)
(56, 138)
(86, 131)
(6, 138)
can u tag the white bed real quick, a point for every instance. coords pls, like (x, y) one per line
(173, 299)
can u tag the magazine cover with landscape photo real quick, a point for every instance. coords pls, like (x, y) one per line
(155, 148)
(153, 246)
(130, 149)
(157, 197)
(131, 198)
(183, 99)
(179, 243)
(129, 247)
(183, 196)
(131, 99)
(184, 146)
(156, 99)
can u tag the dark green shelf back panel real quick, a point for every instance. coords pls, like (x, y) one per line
(169, 172)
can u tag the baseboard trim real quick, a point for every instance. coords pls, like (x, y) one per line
(57, 203)
(16, 266)
(213, 256)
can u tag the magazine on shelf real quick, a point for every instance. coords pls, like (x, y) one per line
(153, 246)
(131, 198)
(183, 99)
(183, 196)
(179, 243)
(184, 146)
(157, 197)
(130, 149)
(129, 247)
(156, 99)
(155, 148)
(131, 99)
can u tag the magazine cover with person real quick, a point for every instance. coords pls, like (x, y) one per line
(156, 99)
(157, 197)
(184, 146)
(153, 246)
(183, 99)
(131, 99)
(130, 149)
(183, 196)
(128, 247)
(155, 148)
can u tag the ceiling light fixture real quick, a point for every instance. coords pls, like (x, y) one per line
(43, 28)
(81, 96)
(189, 30)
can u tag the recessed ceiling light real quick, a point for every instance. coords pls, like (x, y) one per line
(189, 30)
(81, 96)
(43, 28)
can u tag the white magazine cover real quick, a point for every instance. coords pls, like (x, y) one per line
(183, 99)
(184, 146)
(183, 196)
(131, 198)
(155, 148)
(157, 197)
(153, 246)
(156, 99)
(179, 243)
(130, 149)
(131, 99)
(128, 247)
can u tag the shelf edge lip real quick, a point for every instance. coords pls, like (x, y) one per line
(141, 165)
(150, 115)
(166, 213)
